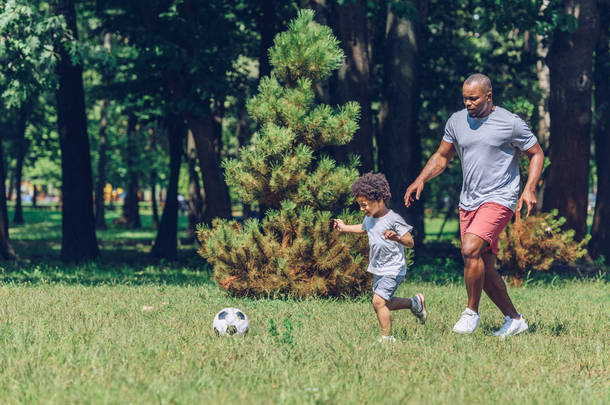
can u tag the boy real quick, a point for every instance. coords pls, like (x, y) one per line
(388, 235)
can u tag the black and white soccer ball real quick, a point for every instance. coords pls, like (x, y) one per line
(231, 321)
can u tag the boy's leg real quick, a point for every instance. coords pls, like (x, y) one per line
(399, 303)
(383, 314)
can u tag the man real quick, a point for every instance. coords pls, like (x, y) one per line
(488, 140)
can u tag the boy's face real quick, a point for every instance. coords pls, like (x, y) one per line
(370, 207)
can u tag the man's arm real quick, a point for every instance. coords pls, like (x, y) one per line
(435, 166)
(528, 197)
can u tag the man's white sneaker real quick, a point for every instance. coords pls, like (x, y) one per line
(468, 322)
(386, 339)
(516, 326)
(507, 321)
(418, 307)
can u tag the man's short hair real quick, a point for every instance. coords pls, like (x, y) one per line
(480, 79)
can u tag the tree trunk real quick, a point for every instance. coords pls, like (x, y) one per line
(34, 196)
(6, 250)
(78, 222)
(570, 65)
(399, 142)
(266, 23)
(100, 209)
(352, 79)
(22, 147)
(165, 245)
(196, 212)
(600, 232)
(131, 211)
(153, 194)
(207, 134)
(11, 186)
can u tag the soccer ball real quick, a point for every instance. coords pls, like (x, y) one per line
(230, 321)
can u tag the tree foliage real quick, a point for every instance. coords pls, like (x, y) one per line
(293, 249)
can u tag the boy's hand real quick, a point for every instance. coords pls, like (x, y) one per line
(338, 224)
(391, 235)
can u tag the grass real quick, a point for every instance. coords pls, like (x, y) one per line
(141, 332)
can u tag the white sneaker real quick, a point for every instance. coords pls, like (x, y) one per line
(468, 322)
(504, 327)
(516, 326)
(386, 339)
(418, 307)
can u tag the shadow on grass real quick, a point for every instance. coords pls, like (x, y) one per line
(126, 262)
(441, 263)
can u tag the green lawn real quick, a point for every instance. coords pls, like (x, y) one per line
(141, 332)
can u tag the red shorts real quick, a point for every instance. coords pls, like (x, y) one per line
(487, 222)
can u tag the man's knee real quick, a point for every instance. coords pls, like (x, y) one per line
(472, 248)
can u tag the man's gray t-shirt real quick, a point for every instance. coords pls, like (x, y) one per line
(386, 257)
(488, 151)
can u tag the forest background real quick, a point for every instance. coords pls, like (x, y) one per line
(125, 104)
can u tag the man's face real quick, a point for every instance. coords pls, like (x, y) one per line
(476, 100)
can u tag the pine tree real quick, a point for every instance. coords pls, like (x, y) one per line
(293, 249)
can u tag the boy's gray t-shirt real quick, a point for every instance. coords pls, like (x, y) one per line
(386, 257)
(488, 151)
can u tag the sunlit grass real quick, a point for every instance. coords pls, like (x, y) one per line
(153, 343)
(132, 329)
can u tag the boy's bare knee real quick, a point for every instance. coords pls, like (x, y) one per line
(378, 302)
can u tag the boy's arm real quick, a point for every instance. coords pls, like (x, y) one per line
(406, 240)
(342, 227)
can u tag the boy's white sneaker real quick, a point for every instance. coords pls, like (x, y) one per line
(386, 339)
(468, 322)
(507, 321)
(515, 327)
(418, 307)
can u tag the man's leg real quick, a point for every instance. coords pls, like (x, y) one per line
(495, 287)
(474, 268)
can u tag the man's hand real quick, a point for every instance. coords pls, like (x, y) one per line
(529, 199)
(416, 187)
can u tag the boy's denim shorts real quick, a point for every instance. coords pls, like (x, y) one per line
(385, 286)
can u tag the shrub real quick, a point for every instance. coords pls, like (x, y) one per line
(536, 243)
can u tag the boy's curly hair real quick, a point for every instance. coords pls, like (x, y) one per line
(372, 186)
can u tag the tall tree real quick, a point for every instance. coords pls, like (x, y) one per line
(22, 144)
(6, 250)
(196, 212)
(191, 45)
(165, 245)
(399, 141)
(78, 224)
(600, 233)
(570, 62)
(131, 211)
(352, 80)
(100, 209)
